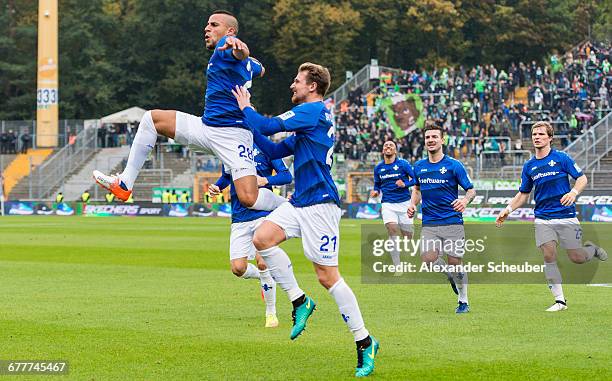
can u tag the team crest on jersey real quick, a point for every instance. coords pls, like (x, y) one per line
(287, 115)
(395, 167)
(552, 163)
(255, 152)
(443, 170)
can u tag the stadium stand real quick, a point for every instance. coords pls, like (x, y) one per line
(486, 111)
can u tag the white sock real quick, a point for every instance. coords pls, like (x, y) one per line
(553, 278)
(252, 272)
(347, 304)
(281, 270)
(395, 254)
(267, 200)
(143, 143)
(590, 252)
(461, 281)
(268, 285)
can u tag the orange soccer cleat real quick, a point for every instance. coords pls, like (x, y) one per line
(113, 183)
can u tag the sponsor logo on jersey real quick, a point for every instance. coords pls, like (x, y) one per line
(287, 115)
(389, 175)
(383, 169)
(424, 170)
(544, 174)
(432, 181)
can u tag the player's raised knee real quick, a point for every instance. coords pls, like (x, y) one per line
(239, 268)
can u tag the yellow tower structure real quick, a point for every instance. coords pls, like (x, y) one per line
(47, 109)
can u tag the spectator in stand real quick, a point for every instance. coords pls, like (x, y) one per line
(102, 136)
(26, 139)
(12, 142)
(3, 143)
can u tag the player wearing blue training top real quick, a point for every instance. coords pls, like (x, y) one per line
(437, 179)
(555, 214)
(393, 177)
(244, 223)
(313, 213)
(221, 130)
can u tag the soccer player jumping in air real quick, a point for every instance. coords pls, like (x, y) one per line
(313, 212)
(555, 213)
(221, 130)
(437, 182)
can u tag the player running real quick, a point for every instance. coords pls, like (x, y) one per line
(313, 212)
(437, 183)
(221, 130)
(392, 177)
(244, 223)
(555, 213)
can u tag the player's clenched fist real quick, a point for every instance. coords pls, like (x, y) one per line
(411, 210)
(502, 217)
(213, 190)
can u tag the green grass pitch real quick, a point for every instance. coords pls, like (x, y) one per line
(153, 299)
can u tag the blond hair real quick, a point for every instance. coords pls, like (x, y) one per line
(549, 128)
(317, 74)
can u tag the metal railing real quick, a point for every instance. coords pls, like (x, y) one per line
(531, 122)
(357, 80)
(599, 179)
(52, 172)
(589, 148)
(509, 158)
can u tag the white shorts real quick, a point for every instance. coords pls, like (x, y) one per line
(232, 145)
(447, 239)
(566, 231)
(241, 239)
(318, 225)
(396, 213)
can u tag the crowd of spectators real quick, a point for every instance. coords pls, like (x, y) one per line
(116, 135)
(475, 104)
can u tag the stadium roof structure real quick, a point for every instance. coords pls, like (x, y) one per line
(129, 115)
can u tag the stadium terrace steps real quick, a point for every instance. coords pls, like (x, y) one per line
(5, 160)
(19, 168)
(173, 165)
(183, 180)
(174, 168)
(104, 160)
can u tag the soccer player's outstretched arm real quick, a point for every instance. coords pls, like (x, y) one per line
(266, 126)
(282, 176)
(274, 150)
(234, 47)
